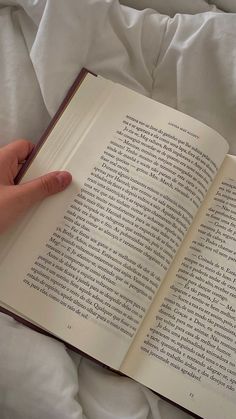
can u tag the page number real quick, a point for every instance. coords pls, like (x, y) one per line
(191, 395)
(69, 326)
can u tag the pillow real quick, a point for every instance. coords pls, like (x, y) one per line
(38, 379)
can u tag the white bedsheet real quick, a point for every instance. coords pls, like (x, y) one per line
(187, 61)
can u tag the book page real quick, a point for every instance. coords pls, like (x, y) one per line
(187, 349)
(91, 259)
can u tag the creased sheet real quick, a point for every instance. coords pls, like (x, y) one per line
(187, 61)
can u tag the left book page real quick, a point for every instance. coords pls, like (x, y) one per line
(33, 271)
(73, 265)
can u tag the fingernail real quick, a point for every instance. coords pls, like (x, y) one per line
(64, 179)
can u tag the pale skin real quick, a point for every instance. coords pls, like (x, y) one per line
(16, 200)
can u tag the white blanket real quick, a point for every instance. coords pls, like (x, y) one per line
(188, 62)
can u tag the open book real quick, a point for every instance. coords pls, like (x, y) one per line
(135, 263)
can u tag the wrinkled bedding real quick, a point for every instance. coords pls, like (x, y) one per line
(181, 53)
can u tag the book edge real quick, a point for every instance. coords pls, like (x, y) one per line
(69, 95)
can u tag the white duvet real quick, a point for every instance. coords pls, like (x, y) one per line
(187, 61)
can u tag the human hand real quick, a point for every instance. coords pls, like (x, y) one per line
(15, 200)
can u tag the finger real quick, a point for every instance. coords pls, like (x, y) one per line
(36, 190)
(11, 156)
(16, 152)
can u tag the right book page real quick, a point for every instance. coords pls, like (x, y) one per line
(186, 348)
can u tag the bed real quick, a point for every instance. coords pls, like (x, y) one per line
(179, 52)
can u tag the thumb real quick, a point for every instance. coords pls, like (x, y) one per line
(36, 190)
